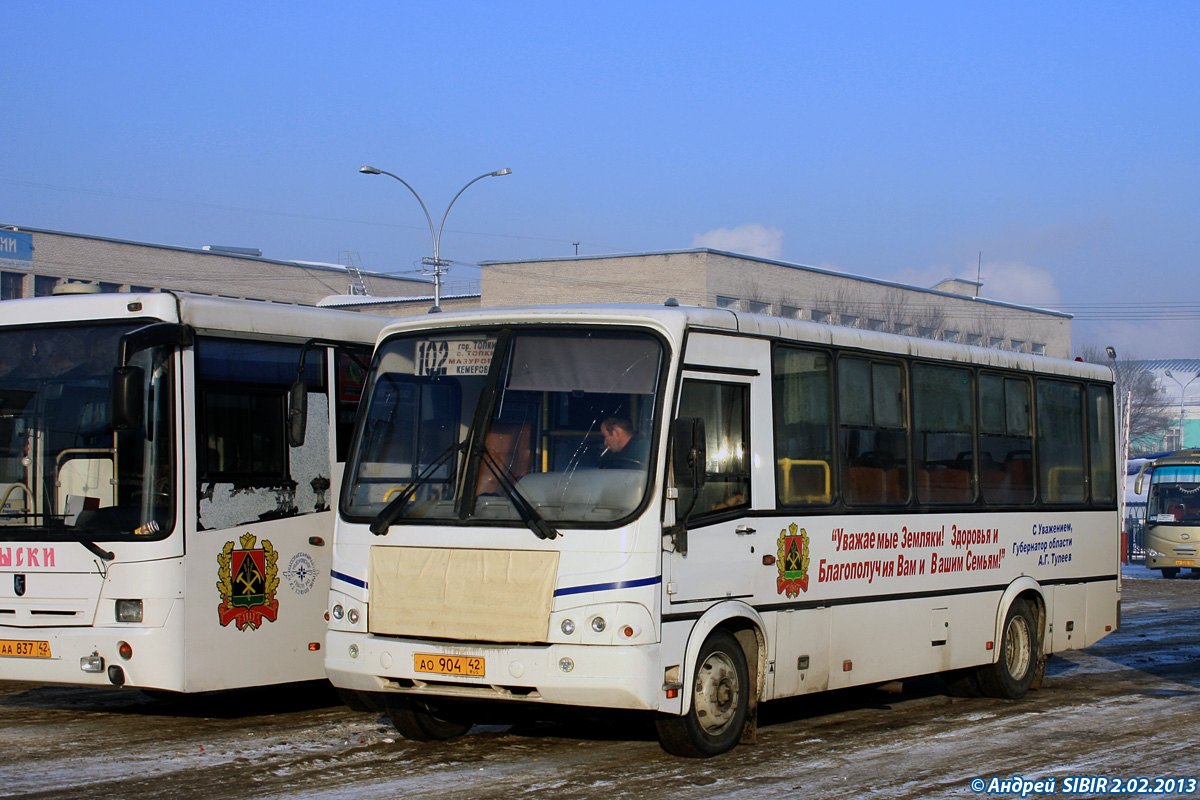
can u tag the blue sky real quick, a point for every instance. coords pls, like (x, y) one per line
(897, 141)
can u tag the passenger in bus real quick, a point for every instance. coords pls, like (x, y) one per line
(624, 448)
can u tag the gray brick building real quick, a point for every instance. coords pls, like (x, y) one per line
(34, 262)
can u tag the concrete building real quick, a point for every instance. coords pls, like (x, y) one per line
(34, 262)
(950, 311)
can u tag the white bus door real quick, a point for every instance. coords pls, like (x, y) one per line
(717, 560)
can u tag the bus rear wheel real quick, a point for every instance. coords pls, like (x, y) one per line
(1013, 673)
(420, 720)
(720, 701)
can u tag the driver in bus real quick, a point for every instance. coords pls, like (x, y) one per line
(624, 448)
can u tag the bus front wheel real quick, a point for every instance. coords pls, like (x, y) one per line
(419, 720)
(1013, 673)
(1170, 572)
(720, 702)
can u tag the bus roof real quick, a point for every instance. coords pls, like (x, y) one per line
(675, 320)
(202, 312)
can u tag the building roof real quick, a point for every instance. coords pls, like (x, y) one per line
(211, 250)
(789, 265)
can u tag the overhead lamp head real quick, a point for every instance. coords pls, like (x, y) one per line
(370, 170)
(499, 172)
(1169, 375)
(1112, 352)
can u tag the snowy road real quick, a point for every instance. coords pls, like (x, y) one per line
(1129, 706)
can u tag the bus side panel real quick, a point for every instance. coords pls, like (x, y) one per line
(256, 603)
(257, 572)
(801, 651)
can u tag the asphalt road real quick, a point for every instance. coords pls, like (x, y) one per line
(1128, 706)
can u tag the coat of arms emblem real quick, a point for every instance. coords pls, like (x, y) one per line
(247, 579)
(792, 560)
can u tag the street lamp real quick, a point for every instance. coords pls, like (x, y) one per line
(1182, 387)
(436, 264)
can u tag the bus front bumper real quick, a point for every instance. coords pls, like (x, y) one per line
(599, 676)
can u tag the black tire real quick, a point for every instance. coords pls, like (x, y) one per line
(1170, 572)
(720, 699)
(1016, 667)
(419, 720)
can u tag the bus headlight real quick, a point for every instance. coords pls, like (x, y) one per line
(338, 611)
(129, 611)
(352, 616)
(598, 624)
(568, 626)
(1152, 552)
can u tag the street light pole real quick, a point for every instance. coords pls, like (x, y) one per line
(438, 266)
(1182, 387)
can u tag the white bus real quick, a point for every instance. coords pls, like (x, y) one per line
(787, 508)
(1172, 511)
(156, 528)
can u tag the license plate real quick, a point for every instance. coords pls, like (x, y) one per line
(19, 648)
(1186, 563)
(470, 666)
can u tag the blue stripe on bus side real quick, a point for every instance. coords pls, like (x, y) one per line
(603, 587)
(333, 573)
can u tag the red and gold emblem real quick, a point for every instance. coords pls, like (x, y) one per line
(247, 580)
(792, 561)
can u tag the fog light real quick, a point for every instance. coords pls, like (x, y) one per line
(354, 651)
(116, 675)
(92, 663)
(352, 616)
(598, 624)
(338, 611)
(129, 611)
(125, 650)
(566, 665)
(568, 626)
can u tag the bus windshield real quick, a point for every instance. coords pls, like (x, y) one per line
(65, 473)
(1174, 495)
(479, 425)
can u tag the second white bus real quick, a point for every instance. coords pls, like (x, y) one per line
(157, 527)
(787, 508)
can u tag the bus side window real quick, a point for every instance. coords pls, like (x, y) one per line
(1103, 460)
(723, 407)
(1060, 442)
(803, 426)
(943, 444)
(873, 432)
(1005, 440)
(241, 409)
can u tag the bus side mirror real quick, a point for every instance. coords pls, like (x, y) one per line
(297, 413)
(1137, 485)
(128, 398)
(688, 456)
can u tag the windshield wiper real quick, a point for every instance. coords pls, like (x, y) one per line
(529, 515)
(394, 509)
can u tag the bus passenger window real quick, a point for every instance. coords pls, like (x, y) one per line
(803, 426)
(873, 432)
(723, 407)
(1102, 458)
(1060, 442)
(943, 443)
(1005, 441)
